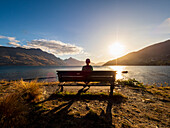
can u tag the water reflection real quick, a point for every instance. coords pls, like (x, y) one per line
(119, 70)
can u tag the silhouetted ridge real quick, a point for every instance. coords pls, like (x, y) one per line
(156, 54)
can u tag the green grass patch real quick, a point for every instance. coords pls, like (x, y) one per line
(131, 82)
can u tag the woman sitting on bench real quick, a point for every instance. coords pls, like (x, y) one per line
(87, 67)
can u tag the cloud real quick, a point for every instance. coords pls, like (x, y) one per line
(55, 47)
(12, 40)
(14, 44)
(164, 27)
(50, 46)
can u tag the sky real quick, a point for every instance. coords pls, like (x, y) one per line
(101, 30)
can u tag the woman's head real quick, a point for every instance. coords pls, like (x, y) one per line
(87, 61)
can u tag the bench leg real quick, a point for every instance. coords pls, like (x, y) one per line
(111, 89)
(61, 89)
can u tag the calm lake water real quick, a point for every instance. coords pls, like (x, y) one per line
(145, 74)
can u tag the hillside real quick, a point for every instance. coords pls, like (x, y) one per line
(32, 57)
(99, 64)
(157, 54)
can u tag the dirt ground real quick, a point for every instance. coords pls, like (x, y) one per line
(140, 109)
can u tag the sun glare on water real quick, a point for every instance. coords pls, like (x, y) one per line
(119, 70)
(116, 49)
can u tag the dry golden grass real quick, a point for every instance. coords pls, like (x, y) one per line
(14, 102)
(30, 91)
(159, 91)
(163, 91)
(12, 111)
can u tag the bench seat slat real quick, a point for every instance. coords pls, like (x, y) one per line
(84, 85)
(88, 79)
(71, 79)
(74, 73)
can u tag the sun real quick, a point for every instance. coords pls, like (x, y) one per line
(116, 49)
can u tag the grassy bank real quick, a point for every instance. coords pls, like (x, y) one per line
(41, 104)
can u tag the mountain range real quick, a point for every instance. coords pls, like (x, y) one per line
(74, 62)
(157, 54)
(33, 57)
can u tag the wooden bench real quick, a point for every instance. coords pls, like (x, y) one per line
(86, 77)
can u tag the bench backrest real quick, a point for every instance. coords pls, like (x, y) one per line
(105, 76)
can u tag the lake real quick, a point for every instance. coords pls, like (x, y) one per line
(145, 74)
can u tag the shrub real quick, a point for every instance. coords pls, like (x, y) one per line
(30, 91)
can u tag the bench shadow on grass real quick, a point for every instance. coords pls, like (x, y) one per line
(59, 117)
